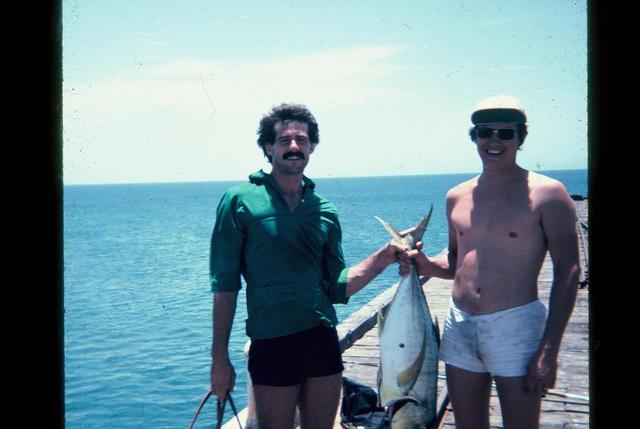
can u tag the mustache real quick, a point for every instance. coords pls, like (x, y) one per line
(291, 153)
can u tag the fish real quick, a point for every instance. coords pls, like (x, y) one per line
(409, 345)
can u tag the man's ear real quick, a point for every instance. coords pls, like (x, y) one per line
(313, 147)
(268, 148)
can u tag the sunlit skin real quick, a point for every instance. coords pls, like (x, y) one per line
(501, 224)
(292, 137)
(498, 155)
(289, 154)
(318, 397)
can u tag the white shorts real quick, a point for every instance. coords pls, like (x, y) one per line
(500, 343)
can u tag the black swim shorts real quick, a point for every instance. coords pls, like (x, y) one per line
(291, 359)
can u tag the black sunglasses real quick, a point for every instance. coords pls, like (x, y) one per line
(503, 133)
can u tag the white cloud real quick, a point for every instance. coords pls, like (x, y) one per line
(337, 76)
(150, 126)
(513, 67)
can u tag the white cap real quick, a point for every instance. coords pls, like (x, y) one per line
(499, 108)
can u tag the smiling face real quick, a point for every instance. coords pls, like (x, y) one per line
(494, 147)
(291, 148)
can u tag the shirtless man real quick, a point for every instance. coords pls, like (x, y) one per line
(501, 224)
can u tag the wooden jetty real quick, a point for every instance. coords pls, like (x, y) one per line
(566, 406)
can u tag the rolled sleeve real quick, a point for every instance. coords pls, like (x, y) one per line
(341, 288)
(334, 268)
(227, 242)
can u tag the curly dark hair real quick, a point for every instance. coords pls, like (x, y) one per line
(521, 129)
(282, 113)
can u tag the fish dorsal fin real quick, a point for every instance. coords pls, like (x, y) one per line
(407, 378)
(436, 328)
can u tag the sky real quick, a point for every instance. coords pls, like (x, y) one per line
(173, 91)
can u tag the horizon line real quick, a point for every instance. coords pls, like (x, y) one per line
(175, 182)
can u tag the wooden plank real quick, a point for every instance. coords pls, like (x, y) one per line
(441, 408)
(359, 343)
(573, 369)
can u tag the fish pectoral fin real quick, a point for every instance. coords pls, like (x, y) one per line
(379, 384)
(381, 318)
(391, 230)
(407, 378)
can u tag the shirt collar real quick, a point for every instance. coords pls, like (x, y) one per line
(260, 177)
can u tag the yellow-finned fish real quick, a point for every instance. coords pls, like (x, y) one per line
(409, 346)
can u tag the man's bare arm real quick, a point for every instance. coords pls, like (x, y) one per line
(362, 273)
(442, 266)
(222, 373)
(558, 222)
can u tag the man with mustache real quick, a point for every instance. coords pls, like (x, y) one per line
(501, 224)
(285, 241)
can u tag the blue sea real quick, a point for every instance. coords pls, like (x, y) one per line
(137, 303)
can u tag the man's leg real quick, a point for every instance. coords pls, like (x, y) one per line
(275, 405)
(319, 401)
(469, 393)
(520, 409)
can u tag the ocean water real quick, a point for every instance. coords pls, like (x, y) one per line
(137, 304)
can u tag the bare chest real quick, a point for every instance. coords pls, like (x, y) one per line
(508, 216)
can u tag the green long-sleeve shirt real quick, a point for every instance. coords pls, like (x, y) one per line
(292, 262)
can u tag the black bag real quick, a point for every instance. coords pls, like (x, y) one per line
(360, 407)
